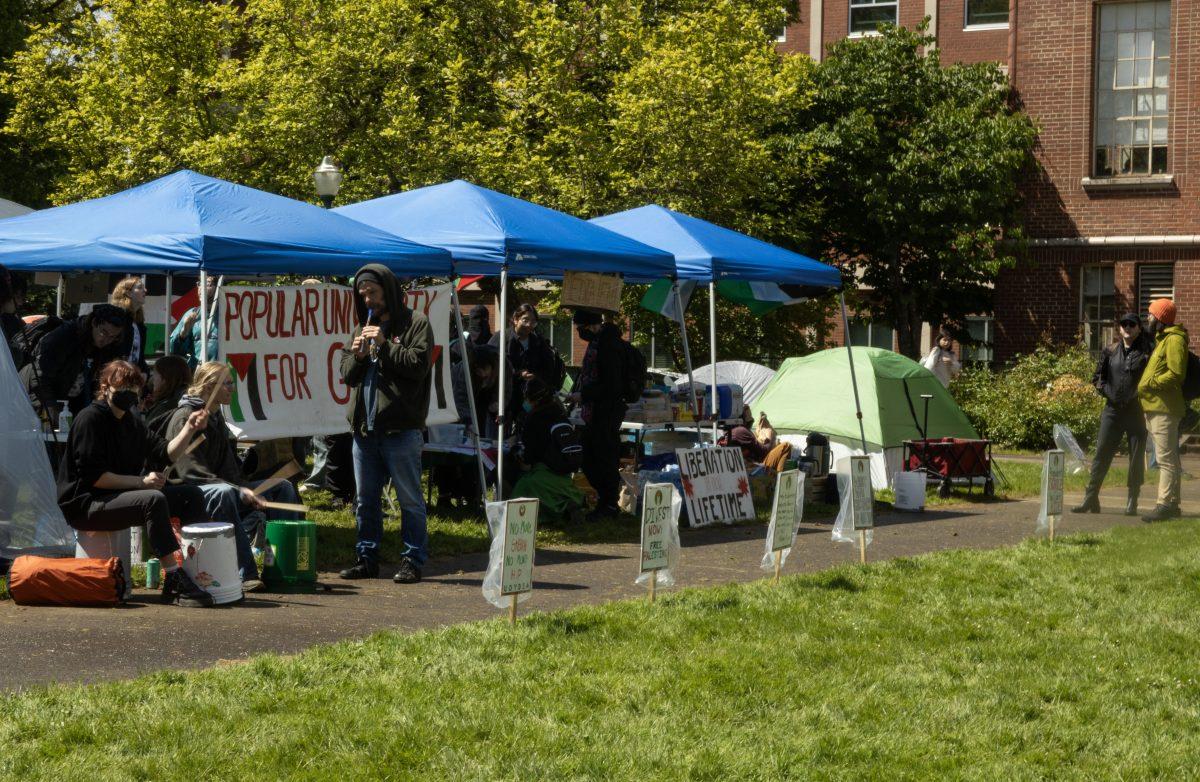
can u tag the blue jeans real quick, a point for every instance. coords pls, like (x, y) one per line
(224, 503)
(378, 457)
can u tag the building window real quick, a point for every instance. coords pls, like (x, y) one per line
(864, 333)
(981, 331)
(1098, 307)
(1133, 65)
(986, 12)
(867, 15)
(1155, 281)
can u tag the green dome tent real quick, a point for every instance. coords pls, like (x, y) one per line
(814, 394)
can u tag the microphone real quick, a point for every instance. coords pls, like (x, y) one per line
(373, 348)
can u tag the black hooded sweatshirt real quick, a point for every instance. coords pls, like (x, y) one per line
(405, 360)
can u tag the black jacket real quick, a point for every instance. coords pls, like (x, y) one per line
(601, 375)
(100, 442)
(66, 365)
(405, 357)
(539, 358)
(214, 459)
(535, 435)
(1119, 370)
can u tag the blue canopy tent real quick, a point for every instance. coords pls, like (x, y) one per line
(707, 252)
(188, 222)
(491, 233)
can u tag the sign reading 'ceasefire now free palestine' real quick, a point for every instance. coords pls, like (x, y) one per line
(284, 349)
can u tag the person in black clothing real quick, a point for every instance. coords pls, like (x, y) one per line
(1116, 378)
(12, 296)
(479, 330)
(603, 408)
(111, 477)
(549, 452)
(529, 356)
(67, 361)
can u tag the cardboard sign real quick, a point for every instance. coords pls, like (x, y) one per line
(588, 290)
(284, 348)
(715, 485)
(656, 515)
(862, 496)
(1052, 487)
(789, 488)
(520, 534)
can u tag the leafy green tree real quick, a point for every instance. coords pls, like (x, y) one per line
(919, 174)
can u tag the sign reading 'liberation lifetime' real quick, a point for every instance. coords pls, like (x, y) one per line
(715, 485)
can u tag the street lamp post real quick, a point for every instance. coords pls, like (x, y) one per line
(328, 179)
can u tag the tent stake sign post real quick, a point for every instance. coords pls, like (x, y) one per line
(862, 501)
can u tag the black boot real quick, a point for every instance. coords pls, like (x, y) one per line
(179, 589)
(363, 569)
(1091, 504)
(1131, 505)
(1162, 513)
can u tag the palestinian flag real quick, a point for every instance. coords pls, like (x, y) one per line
(760, 297)
(660, 298)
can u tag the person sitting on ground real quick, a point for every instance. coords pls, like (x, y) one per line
(765, 433)
(942, 361)
(67, 361)
(111, 477)
(130, 295)
(214, 469)
(168, 383)
(551, 449)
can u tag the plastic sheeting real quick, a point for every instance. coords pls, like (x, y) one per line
(666, 576)
(768, 560)
(30, 519)
(492, 591)
(843, 526)
(1077, 460)
(485, 230)
(753, 378)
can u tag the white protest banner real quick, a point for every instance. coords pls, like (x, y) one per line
(786, 512)
(1053, 469)
(715, 485)
(284, 347)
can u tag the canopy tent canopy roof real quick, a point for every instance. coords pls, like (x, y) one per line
(708, 252)
(12, 209)
(185, 222)
(485, 230)
(753, 378)
(813, 394)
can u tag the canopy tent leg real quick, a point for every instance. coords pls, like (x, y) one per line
(472, 427)
(502, 328)
(712, 335)
(853, 377)
(687, 356)
(167, 317)
(203, 318)
(58, 297)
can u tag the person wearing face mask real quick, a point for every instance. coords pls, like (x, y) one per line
(529, 357)
(185, 339)
(1116, 378)
(214, 468)
(67, 361)
(112, 476)
(602, 405)
(479, 330)
(130, 295)
(1161, 393)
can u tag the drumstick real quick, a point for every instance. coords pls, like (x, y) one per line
(281, 475)
(285, 506)
(212, 395)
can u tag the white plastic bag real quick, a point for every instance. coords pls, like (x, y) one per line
(1077, 460)
(492, 590)
(843, 526)
(768, 560)
(666, 576)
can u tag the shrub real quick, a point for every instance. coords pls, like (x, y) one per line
(1019, 406)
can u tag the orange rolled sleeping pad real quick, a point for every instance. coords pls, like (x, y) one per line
(47, 581)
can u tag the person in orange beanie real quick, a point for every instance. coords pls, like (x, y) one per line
(1161, 394)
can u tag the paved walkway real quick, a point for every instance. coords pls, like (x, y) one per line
(41, 645)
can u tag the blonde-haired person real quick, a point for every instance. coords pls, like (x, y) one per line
(130, 295)
(213, 466)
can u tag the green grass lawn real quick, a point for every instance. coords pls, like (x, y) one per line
(1070, 660)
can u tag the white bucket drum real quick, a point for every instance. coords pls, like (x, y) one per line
(210, 560)
(102, 544)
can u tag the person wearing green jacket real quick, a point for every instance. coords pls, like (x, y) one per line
(1161, 394)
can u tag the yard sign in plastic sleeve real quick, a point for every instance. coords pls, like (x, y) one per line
(787, 511)
(513, 524)
(1050, 512)
(661, 505)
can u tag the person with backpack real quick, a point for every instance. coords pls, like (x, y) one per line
(64, 358)
(602, 395)
(1116, 378)
(530, 357)
(552, 450)
(1161, 393)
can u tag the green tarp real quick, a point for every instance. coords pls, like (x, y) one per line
(813, 394)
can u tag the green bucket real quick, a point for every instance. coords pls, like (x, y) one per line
(293, 546)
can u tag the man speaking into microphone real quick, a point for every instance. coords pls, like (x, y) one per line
(387, 369)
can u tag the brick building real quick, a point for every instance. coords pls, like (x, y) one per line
(1114, 208)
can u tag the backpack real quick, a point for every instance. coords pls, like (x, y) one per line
(633, 375)
(1191, 377)
(24, 344)
(566, 449)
